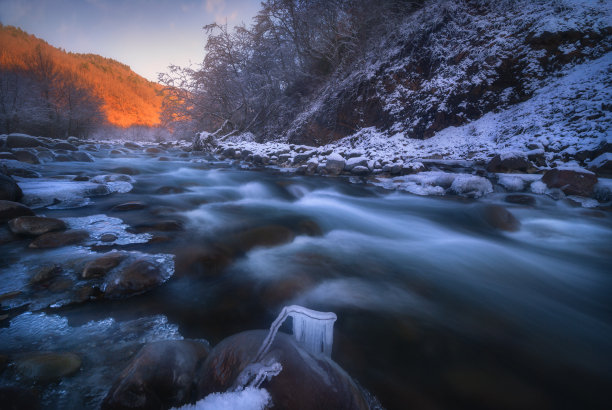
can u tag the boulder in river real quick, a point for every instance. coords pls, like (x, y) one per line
(35, 225)
(102, 265)
(165, 190)
(10, 210)
(58, 239)
(137, 277)
(47, 366)
(575, 181)
(263, 236)
(306, 381)
(125, 170)
(82, 156)
(132, 145)
(22, 141)
(26, 156)
(129, 206)
(45, 274)
(65, 146)
(9, 190)
(500, 218)
(160, 376)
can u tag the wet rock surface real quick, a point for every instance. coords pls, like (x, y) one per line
(160, 376)
(10, 210)
(571, 182)
(500, 218)
(102, 265)
(9, 189)
(322, 383)
(48, 367)
(129, 206)
(35, 225)
(58, 239)
(137, 277)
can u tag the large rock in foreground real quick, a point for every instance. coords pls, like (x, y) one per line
(571, 181)
(306, 381)
(160, 376)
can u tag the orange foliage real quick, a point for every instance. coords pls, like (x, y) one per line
(129, 99)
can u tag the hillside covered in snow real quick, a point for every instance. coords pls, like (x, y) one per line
(450, 80)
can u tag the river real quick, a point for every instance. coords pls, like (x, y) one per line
(436, 308)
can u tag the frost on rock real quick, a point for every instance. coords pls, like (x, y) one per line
(512, 183)
(247, 399)
(119, 183)
(99, 225)
(471, 186)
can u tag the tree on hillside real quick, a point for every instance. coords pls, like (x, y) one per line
(259, 78)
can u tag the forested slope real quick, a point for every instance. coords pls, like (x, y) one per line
(111, 89)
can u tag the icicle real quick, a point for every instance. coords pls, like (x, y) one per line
(312, 329)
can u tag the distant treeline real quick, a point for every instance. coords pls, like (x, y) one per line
(48, 91)
(260, 78)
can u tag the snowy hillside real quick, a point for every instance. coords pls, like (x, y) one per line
(453, 62)
(569, 115)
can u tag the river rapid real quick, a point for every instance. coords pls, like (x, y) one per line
(436, 307)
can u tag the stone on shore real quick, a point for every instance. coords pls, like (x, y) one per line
(575, 181)
(335, 164)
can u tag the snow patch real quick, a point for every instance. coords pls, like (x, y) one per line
(247, 399)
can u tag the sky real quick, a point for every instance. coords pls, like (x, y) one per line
(147, 35)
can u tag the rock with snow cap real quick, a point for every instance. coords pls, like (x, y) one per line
(572, 181)
(335, 164)
(307, 380)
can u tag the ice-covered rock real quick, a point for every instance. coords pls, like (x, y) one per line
(307, 380)
(355, 162)
(471, 186)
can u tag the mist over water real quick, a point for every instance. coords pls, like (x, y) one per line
(436, 308)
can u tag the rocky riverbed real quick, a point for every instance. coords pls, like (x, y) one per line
(457, 283)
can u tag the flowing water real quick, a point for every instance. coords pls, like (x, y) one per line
(436, 308)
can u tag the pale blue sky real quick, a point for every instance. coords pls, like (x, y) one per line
(147, 35)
